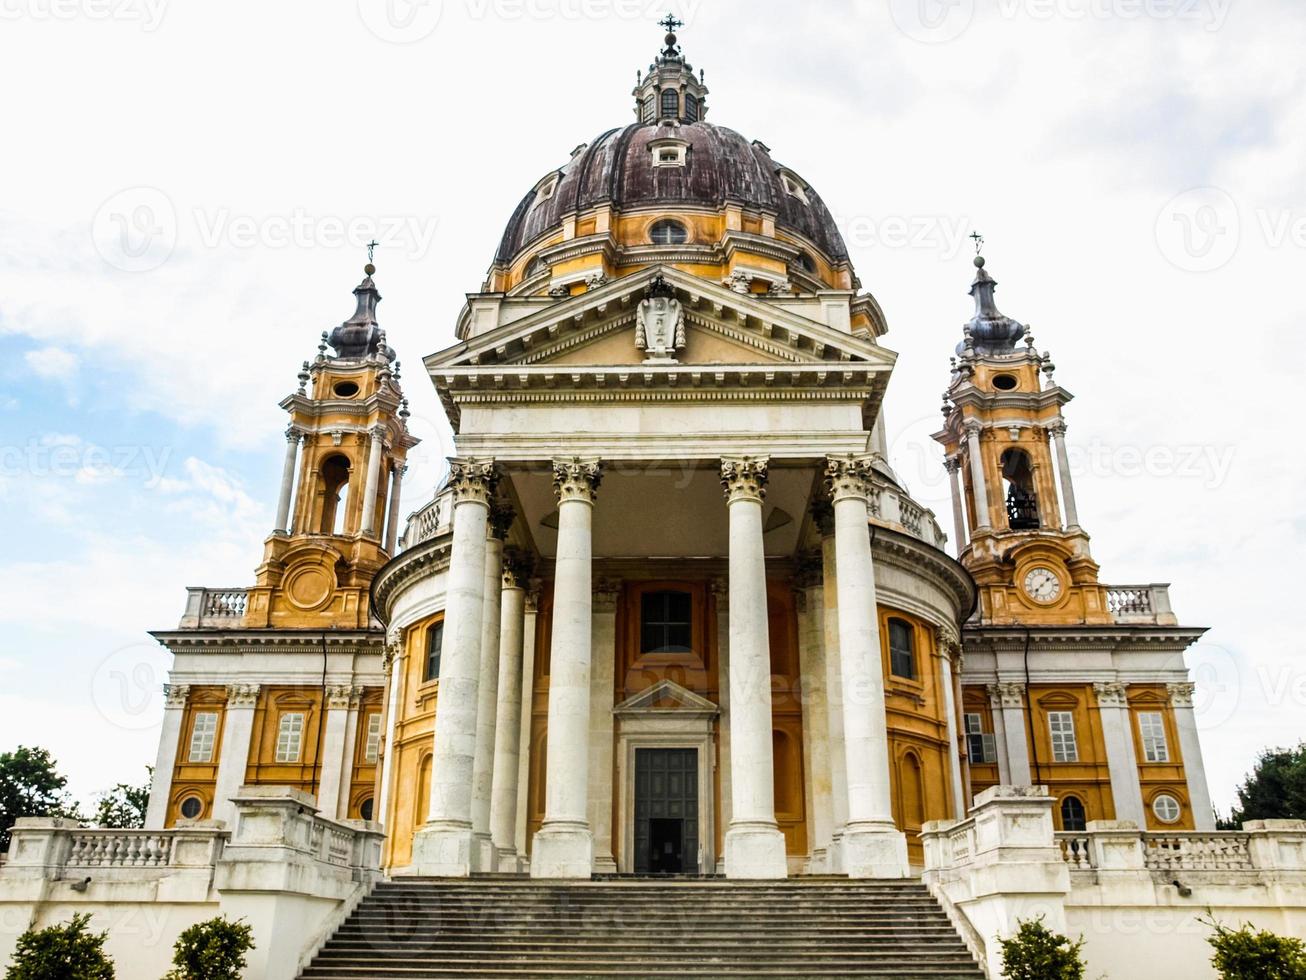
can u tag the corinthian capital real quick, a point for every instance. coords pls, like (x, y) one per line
(1111, 694)
(577, 479)
(1057, 429)
(1181, 694)
(848, 476)
(1008, 694)
(472, 480)
(744, 477)
(501, 517)
(242, 695)
(517, 568)
(176, 695)
(973, 427)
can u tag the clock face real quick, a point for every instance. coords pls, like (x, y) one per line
(1043, 585)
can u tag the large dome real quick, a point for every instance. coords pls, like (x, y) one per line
(719, 166)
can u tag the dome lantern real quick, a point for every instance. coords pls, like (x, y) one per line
(670, 90)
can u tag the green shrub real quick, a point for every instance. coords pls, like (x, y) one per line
(62, 952)
(1035, 952)
(211, 950)
(1244, 954)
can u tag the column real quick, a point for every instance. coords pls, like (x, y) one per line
(816, 724)
(392, 526)
(237, 728)
(487, 698)
(339, 697)
(174, 713)
(527, 702)
(1058, 430)
(508, 714)
(721, 604)
(563, 846)
(602, 729)
(949, 647)
(1009, 699)
(823, 516)
(873, 847)
(1121, 759)
(979, 483)
(443, 848)
(371, 488)
(1190, 752)
(293, 439)
(755, 847)
(953, 466)
(396, 660)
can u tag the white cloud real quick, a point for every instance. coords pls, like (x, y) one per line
(52, 363)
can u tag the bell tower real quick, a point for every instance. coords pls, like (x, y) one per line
(338, 512)
(1004, 436)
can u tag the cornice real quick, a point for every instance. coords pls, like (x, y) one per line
(282, 640)
(429, 558)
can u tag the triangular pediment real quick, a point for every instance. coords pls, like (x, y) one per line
(664, 696)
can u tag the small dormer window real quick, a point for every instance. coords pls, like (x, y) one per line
(546, 188)
(793, 186)
(670, 103)
(668, 154)
(668, 232)
(536, 266)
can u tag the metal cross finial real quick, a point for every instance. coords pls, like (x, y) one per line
(671, 24)
(979, 241)
(370, 246)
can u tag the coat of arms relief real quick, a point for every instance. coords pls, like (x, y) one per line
(660, 326)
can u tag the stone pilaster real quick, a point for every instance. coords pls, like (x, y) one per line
(237, 730)
(1122, 761)
(174, 714)
(602, 728)
(487, 695)
(1190, 750)
(1008, 699)
(508, 713)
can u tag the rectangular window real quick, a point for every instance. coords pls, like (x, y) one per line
(902, 649)
(203, 735)
(981, 746)
(1062, 726)
(434, 644)
(1151, 725)
(666, 622)
(372, 747)
(290, 736)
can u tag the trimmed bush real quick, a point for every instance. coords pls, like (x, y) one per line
(62, 952)
(1247, 954)
(211, 950)
(1035, 952)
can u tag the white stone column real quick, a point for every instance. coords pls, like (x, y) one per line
(823, 515)
(721, 599)
(165, 761)
(950, 646)
(1058, 430)
(372, 487)
(1121, 759)
(443, 848)
(487, 696)
(755, 847)
(339, 697)
(816, 723)
(873, 847)
(293, 438)
(1009, 699)
(1190, 751)
(564, 847)
(396, 663)
(394, 515)
(953, 466)
(529, 630)
(979, 484)
(603, 680)
(508, 716)
(237, 729)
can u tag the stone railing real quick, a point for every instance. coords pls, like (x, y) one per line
(50, 846)
(1263, 845)
(429, 522)
(1147, 605)
(893, 508)
(214, 607)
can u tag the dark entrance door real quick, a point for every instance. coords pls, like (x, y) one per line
(666, 811)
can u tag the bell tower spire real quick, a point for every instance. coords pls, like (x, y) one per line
(670, 92)
(1017, 524)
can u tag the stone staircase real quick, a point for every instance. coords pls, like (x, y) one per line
(522, 928)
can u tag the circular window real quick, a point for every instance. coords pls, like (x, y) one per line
(365, 811)
(1005, 382)
(192, 807)
(667, 232)
(1166, 808)
(345, 389)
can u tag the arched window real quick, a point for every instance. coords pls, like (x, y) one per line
(366, 808)
(670, 103)
(691, 108)
(1073, 816)
(1022, 501)
(807, 263)
(434, 647)
(666, 622)
(535, 267)
(667, 232)
(335, 494)
(902, 649)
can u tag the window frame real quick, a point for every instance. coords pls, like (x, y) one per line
(978, 738)
(436, 629)
(371, 738)
(1178, 812)
(1153, 737)
(673, 105)
(286, 736)
(667, 623)
(1081, 817)
(1062, 737)
(209, 738)
(668, 223)
(894, 653)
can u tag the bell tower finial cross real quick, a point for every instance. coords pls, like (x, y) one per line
(978, 239)
(671, 23)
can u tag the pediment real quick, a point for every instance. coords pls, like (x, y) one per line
(666, 696)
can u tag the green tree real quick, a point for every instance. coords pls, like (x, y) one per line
(1276, 788)
(1245, 954)
(1035, 952)
(62, 952)
(124, 806)
(30, 786)
(212, 950)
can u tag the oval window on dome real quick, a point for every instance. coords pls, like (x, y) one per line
(668, 232)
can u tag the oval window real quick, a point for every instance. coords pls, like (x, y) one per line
(192, 807)
(345, 389)
(1005, 382)
(667, 232)
(1166, 808)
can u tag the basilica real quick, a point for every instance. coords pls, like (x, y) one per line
(671, 611)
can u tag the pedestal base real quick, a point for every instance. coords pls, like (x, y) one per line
(483, 854)
(509, 861)
(442, 852)
(875, 851)
(565, 851)
(755, 851)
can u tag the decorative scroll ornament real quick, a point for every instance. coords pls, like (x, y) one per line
(576, 479)
(949, 641)
(472, 479)
(342, 696)
(1009, 694)
(744, 477)
(1110, 694)
(242, 695)
(176, 695)
(1181, 694)
(849, 476)
(660, 325)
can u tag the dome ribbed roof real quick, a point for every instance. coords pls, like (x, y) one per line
(617, 169)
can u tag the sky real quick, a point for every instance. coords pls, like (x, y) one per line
(186, 190)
